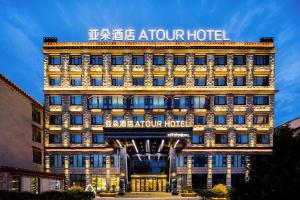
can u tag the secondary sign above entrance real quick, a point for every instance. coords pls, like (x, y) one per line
(152, 35)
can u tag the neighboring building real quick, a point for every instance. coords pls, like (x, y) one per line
(294, 124)
(157, 114)
(21, 143)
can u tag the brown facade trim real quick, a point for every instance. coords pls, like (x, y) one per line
(22, 172)
(15, 87)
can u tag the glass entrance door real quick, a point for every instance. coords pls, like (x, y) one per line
(148, 183)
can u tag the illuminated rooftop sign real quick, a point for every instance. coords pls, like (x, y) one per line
(149, 35)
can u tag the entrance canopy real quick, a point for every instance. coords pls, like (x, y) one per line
(148, 141)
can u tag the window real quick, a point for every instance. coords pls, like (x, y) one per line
(260, 119)
(77, 160)
(96, 60)
(76, 81)
(197, 139)
(75, 138)
(37, 155)
(237, 161)
(158, 81)
(96, 102)
(220, 60)
(76, 100)
(97, 119)
(180, 118)
(55, 120)
(57, 161)
(239, 81)
(78, 180)
(97, 160)
(181, 161)
(199, 120)
(200, 102)
(118, 102)
(76, 119)
(220, 119)
(138, 60)
(199, 160)
(220, 100)
(219, 160)
(97, 138)
(200, 81)
(262, 138)
(36, 134)
(238, 119)
(239, 60)
(115, 160)
(158, 102)
(108, 103)
(36, 115)
(117, 81)
(260, 100)
(220, 81)
(261, 80)
(159, 118)
(138, 81)
(261, 60)
(158, 60)
(54, 81)
(117, 60)
(182, 102)
(221, 138)
(117, 118)
(179, 60)
(200, 60)
(179, 81)
(75, 60)
(242, 138)
(138, 118)
(54, 60)
(239, 100)
(55, 138)
(55, 100)
(96, 80)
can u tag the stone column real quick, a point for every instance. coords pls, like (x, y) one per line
(209, 171)
(272, 67)
(46, 78)
(148, 69)
(210, 66)
(123, 170)
(247, 167)
(189, 170)
(128, 70)
(85, 70)
(67, 172)
(170, 69)
(249, 62)
(107, 169)
(172, 170)
(47, 162)
(228, 172)
(65, 78)
(88, 177)
(230, 70)
(190, 63)
(107, 69)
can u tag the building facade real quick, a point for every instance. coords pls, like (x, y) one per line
(159, 116)
(21, 143)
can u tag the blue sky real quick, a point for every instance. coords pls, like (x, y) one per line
(23, 24)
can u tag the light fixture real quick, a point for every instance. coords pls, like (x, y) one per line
(161, 146)
(119, 143)
(147, 146)
(176, 143)
(136, 149)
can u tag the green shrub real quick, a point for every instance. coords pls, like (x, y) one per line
(75, 189)
(7, 195)
(206, 193)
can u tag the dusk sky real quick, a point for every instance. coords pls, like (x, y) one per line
(23, 25)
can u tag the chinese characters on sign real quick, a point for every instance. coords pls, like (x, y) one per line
(106, 34)
(147, 124)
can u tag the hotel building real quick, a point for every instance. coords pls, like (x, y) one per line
(157, 116)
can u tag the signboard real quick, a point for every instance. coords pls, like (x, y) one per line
(147, 124)
(152, 35)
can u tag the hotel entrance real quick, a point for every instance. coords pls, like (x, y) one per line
(148, 183)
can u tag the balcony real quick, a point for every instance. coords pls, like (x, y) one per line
(96, 68)
(75, 108)
(54, 68)
(138, 68)
(75, 68)
(55, 108)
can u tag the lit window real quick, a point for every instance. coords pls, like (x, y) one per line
(220, 81)
(200, 81)
(219, 160)
(138, 60)
(75, 60)
(239, 100)
(179, 60)
(55, 100)
(97, 138)
(220, 119)
(96, 80)
(199, 120)
(197, 139)
(220, 60)
(200, 60)
(158, 81)
(96, 60)
(239, 60)
(97, 119)
(117, 81)
(179, 81)
(220, 100)
(117, 60)
(77, 160)
(75, 138)
(76, 119)
(239, 119)
(54, 60)
(138, 81)
(76, 81)
(242, 138)
(158, 60)
(54, 81)
(239, 81)
(76, 100)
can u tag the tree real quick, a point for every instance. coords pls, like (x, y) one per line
(275, 176)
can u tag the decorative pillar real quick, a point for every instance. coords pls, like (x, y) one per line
(107, 169)
(107, 69)
(272, 67)
(128, 70)
(229, 69)
(170, 69)
(210, 66)
(148, 69)
(209, 171)
(173, 170)
(228, 172)
(85, 70)
(189, 170)
(46, 78)
(190, 63)
(65, 79)
(123, 170)
(67, 172)
(249, 61)
(247, 168)
(87, 170)
(47, 163)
